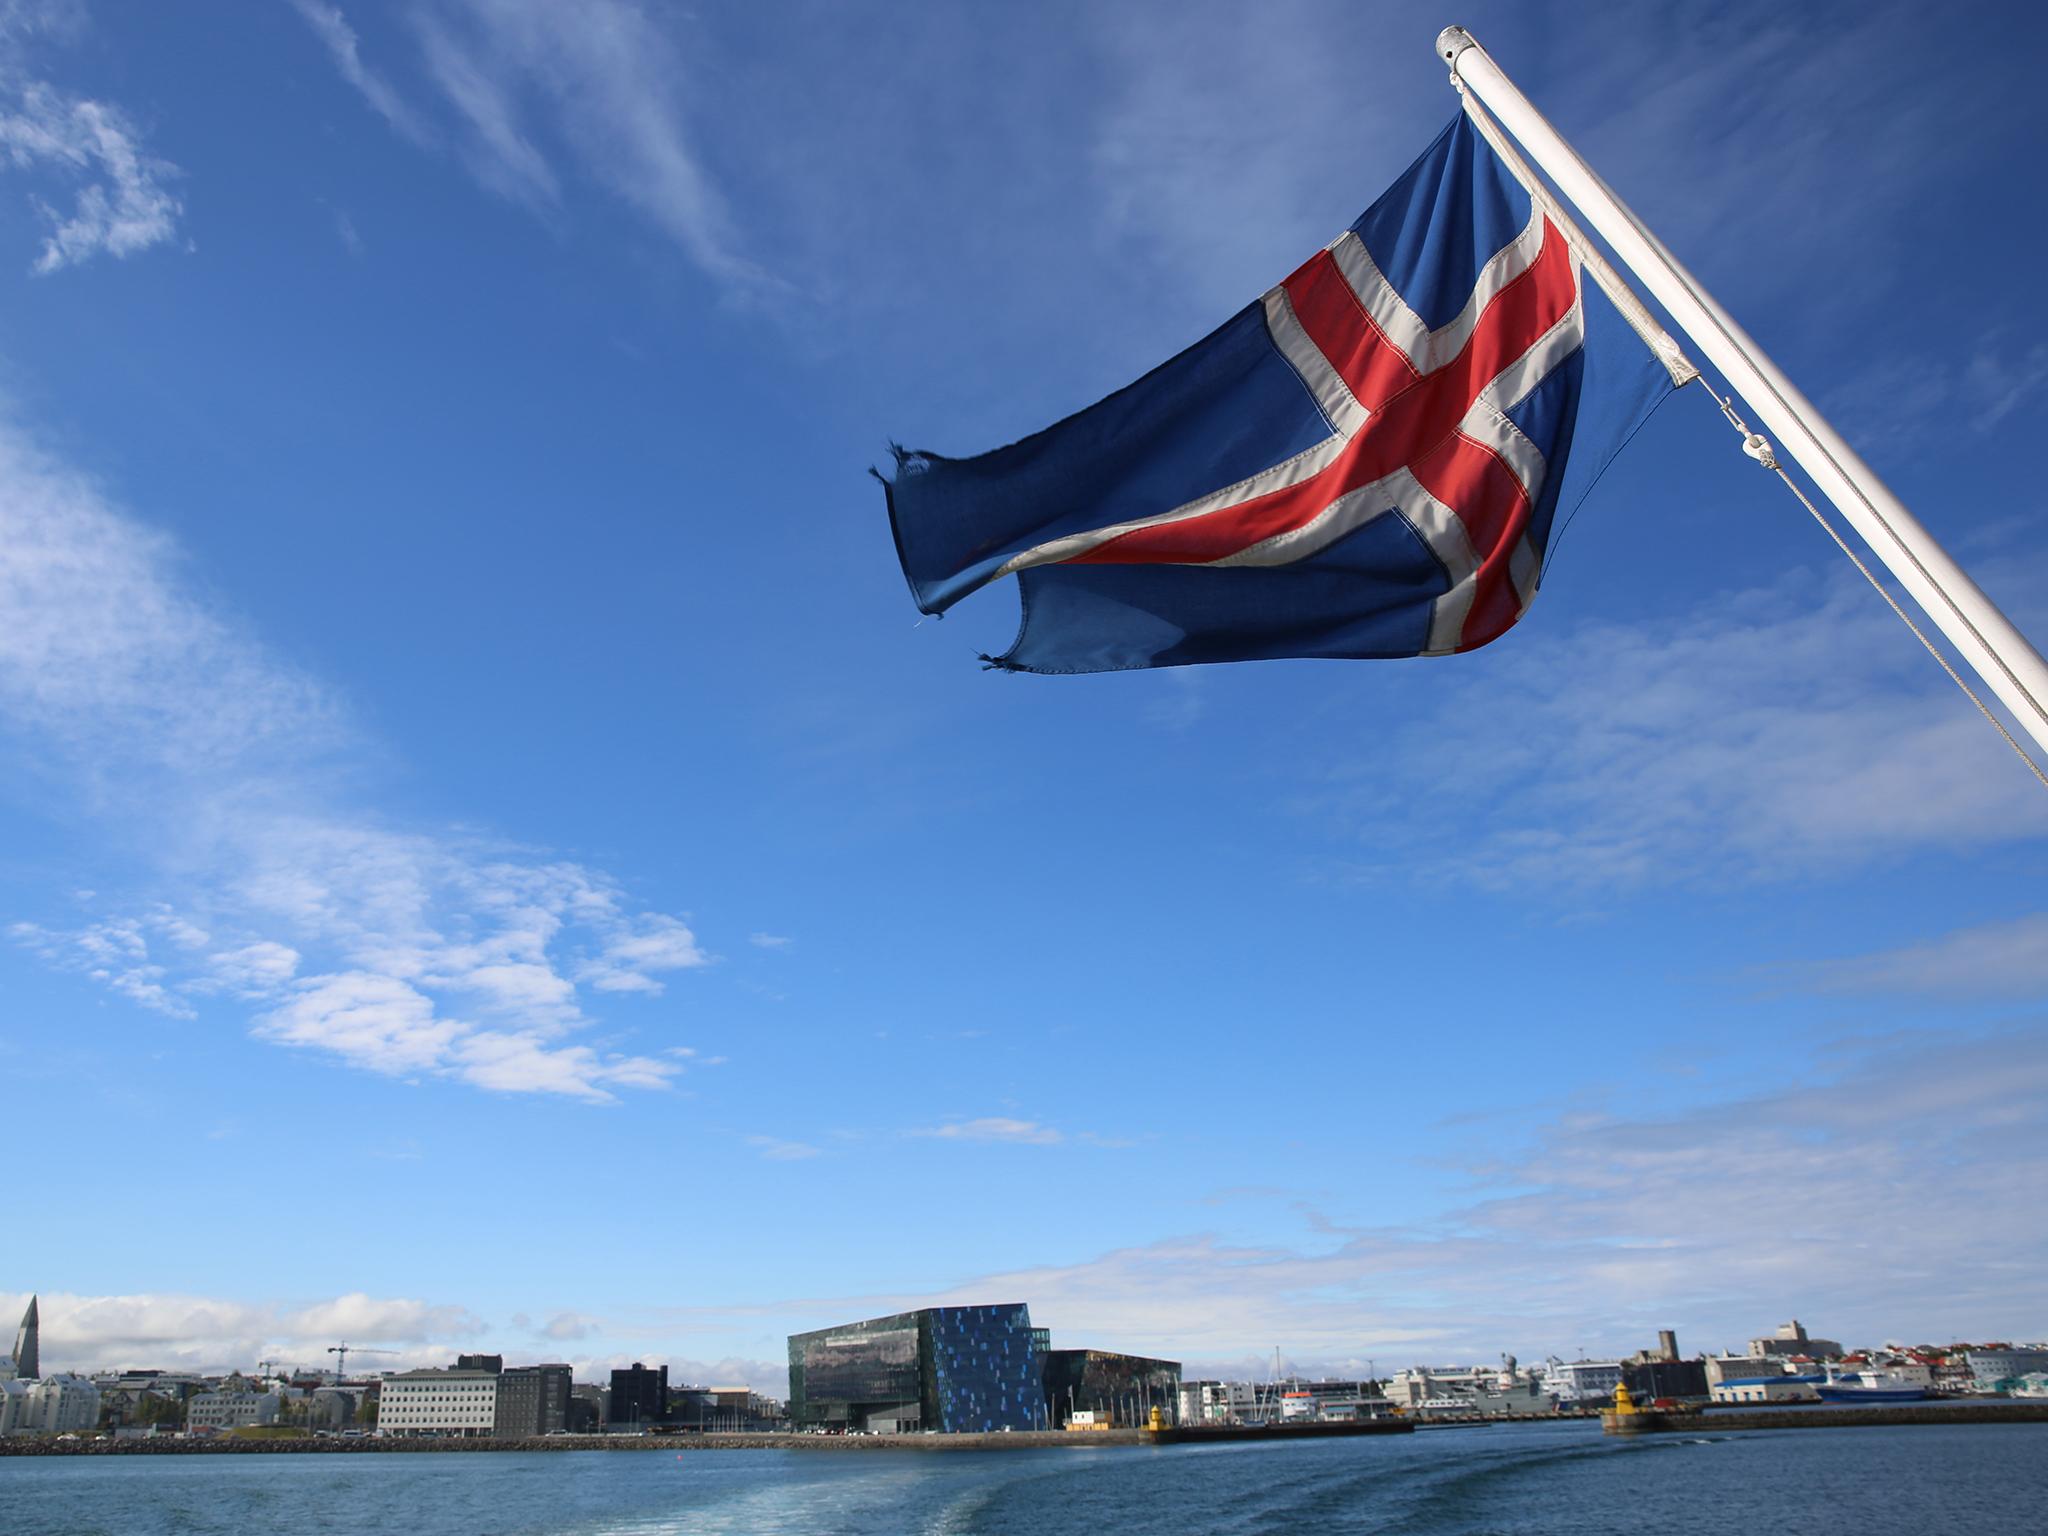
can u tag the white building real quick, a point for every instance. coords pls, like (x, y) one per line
(1220, 1402)
(1996, 1370)
(1577, 1383)
(1774, 1387)
(435, 1402)
(234, 1406)
(1722, 1368)
(59, 1404)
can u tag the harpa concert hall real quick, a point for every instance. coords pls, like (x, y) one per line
(964, 1370)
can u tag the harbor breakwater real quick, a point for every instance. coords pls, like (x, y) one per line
(1651, 1422)
(309, 1445)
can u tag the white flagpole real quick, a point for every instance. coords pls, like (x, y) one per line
(1984, 636)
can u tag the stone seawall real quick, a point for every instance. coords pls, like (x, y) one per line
(229, 1445)
(1653, 1423)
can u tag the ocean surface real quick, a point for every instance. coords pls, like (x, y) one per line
(1528, 1480)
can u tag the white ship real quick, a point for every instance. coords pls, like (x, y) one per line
(1869, 1386)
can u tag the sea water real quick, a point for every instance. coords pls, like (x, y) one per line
(1563, 1479)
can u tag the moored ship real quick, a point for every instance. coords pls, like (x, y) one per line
(1871, 1386)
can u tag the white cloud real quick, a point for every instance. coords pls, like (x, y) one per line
(105, 654)
(120, 198)
(1866, 1174)
(2006, 958)
(333, 30)
(220, 1334)
(778, 1151)
(602, 81)
(199, 1333)
(652, 942)
(769, 1377)
(995, 1128)
(398, 951)
(769, 941)
(115, 953)
(374, 1021)
(498, 151)
(345, 230)
(1913, 398)
(1761, 736)
(1227, 201)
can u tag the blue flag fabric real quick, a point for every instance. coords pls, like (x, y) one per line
(1367, 462)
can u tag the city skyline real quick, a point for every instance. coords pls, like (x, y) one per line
(174, 1354)
(489, 859)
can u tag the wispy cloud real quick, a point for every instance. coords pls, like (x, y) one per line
(1226, 201)
(769, 940)
(345, 231)
(567, 1327)
(1871, 1166)
(1909, 399)
(778, 1151)
(1773, 733)
(333, 30)
(1998, 959)
(1870, 1169)
(116, 953)
(345, 48)
(402, 951)
(995, 1128)
(528, 82)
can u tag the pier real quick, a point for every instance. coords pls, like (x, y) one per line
(1651, 1421)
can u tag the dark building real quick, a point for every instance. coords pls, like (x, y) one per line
(586, 1409)
(1125, 1387)
(1648, 1380)
(1655, 1373)
(639, 1397)
(532, 1400)
(728, 1410)
(951, 1369)
(495, 1364)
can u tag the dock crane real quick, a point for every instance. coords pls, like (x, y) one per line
(343, 1351)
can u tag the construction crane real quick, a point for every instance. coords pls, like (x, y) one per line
(345, 1350)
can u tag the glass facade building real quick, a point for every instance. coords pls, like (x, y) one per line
(1123, 1389)
(956, 1370)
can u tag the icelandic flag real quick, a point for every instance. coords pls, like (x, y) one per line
(1366, 462)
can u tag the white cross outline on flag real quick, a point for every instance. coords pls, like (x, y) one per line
(1446, 458)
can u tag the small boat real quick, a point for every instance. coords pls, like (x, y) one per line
(1869, 1386)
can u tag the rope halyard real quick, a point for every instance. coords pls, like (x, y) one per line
(1758, 447)
(1633, 310)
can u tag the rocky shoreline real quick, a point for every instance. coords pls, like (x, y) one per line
(309, 1445)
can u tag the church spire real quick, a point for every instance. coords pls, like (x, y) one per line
(27, 1350)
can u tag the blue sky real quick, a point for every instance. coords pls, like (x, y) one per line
(489, 856)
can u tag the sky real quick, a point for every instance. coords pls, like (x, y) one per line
(491, 857)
